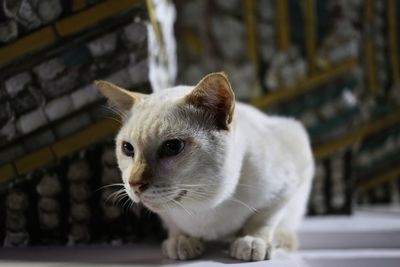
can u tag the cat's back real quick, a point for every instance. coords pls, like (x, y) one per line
(285, 134)
(250, 116)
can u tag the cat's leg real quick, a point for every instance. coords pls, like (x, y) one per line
(285, 235)
(256, 238)
(272, 228)
(179, 246)
(285, 238)
(182, 247)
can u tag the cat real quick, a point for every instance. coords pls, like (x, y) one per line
(213, 168)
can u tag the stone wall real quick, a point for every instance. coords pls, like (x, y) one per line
(75, 201)
(49, 94)
(55, 155)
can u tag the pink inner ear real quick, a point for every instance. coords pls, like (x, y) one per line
(119, 97)
(215, 94)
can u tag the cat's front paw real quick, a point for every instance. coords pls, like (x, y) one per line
(250, 248)
(182, 247)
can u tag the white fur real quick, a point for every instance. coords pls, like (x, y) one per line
(256, 177)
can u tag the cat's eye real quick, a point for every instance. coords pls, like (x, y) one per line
(127, 149)
(171, 148)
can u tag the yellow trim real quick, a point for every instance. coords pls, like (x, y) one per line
(193, 41)
(36, 159)
(379, 179)
(371, 72)
(251, 32)
(84, 138)
(59, 149)
(7, 172)
(28, 44)
(70, 25)
(78, 5)
(370, 47)
(285, 94)
(330, 148)
(394, 56)
(310, 28)
(93, 15)
(283, 30)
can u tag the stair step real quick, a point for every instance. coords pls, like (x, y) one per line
(351, 257)
(361, 230)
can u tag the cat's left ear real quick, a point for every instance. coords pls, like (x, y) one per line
(121, 98)
(214, 93)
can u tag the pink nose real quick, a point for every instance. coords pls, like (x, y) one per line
(139, 187)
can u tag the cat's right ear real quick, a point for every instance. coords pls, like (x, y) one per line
(214, 93)
(121, 98)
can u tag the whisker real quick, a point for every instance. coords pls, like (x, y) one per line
(109, 185)
(196, 185)
(131, 204)
(114, 195)
(117, 192)
(195, 197)
(241, 202)
(112, 109)
(114, 119)
(202, 185)
(116, 111)
(231, 198)
(125, 206)
(196, 192)
(119, 197)
(248, 185)
(183, 207)
(179, 204)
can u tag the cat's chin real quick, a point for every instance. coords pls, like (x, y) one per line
(155, 207)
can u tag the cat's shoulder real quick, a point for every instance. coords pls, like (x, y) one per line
(280, 125)
(248, 110)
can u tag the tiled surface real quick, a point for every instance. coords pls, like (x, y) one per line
(379, 253)
(362, 230)
(142, 255)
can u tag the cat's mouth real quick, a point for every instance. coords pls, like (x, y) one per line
(156, 206)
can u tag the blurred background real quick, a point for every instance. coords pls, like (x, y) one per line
(332, 64)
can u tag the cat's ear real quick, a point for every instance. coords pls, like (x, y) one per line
(121, 98)
(214, 92)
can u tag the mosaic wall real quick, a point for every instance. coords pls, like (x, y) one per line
(51, 183)
(73, 202)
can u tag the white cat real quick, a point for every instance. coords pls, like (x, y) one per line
(213, 169)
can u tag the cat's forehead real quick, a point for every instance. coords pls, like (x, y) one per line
(170, 93)
(160, 101)
(156, 116)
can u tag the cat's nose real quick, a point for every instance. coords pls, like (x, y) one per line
(139, 187)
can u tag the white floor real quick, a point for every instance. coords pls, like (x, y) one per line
(363, 240)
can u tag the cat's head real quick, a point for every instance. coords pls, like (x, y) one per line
(172, 146)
